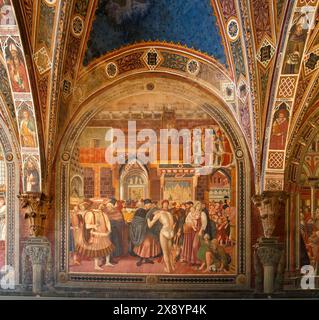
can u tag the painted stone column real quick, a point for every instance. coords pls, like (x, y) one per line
(36, 255)
(269, 253)
(37, 248)
(271, 256)
(313, 182)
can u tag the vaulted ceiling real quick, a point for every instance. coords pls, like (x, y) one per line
(260, 57)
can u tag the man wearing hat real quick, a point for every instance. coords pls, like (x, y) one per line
(119, 234)
(95, 242)
(145, 246)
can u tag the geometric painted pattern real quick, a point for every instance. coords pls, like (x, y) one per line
(287, 87)
(274, 183)
(276, 160)
(42, 60)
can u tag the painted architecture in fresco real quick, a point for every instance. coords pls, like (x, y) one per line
(232, 205)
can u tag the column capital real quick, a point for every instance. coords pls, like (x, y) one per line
(36, 207)
(269, 204)
(313, 181)
(269, 255)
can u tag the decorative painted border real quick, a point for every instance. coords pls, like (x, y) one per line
(13, 208)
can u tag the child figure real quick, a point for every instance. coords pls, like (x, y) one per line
(204, 247)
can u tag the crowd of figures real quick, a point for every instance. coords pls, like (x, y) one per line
(309, 226)
(194, 234)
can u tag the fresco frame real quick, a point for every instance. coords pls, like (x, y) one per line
(138, 285)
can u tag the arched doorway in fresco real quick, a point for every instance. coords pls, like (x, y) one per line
(228, 221)
(134, 182)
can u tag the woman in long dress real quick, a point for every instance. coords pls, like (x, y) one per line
(192, 230)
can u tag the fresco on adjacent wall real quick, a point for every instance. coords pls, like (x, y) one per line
(309, 209)
(139, 219)
(122, 22)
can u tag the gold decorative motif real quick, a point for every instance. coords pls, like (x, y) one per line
(42, 60)
(193, 67)
(65, 156)
(274, 183)
(152, 280)
(9, 157)
(63, 278)
(239, 154)
(241, 279)
(77, 26)
(265, 53)
(111, 70)
(152, 58)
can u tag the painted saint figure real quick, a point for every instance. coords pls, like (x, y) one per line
(16, 68)
(295, 47)
(32, 179)
(279, 131)
(27, 130)
(6, 13)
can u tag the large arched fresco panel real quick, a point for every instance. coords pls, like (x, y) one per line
(74, 264)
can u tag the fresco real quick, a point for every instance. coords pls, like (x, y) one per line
(6, 13)
(31, 175)
(151, 218)
(16, 67)
(279, 128)
(16, 90)
(122, 22)
(27, 128)
(303, 20)
(178, 190)
(309, 208)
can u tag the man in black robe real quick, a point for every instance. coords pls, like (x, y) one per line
(144, 240)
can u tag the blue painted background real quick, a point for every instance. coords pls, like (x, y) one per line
(188, 22)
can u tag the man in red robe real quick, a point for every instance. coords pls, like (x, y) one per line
(279, 132)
